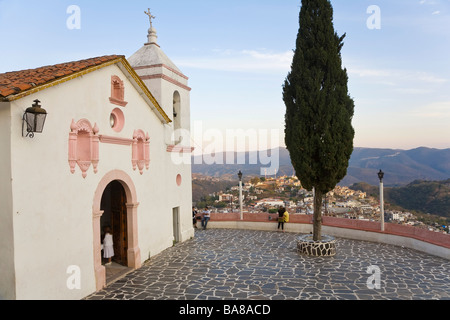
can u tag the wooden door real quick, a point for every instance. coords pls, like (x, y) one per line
(119, 223)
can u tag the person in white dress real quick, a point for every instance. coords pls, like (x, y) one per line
(108, 248)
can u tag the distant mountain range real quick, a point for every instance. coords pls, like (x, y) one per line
(401, 167)
(422, 196)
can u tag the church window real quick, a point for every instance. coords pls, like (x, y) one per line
(117, 120)
(141, 151)
(176, 116)
(83, 146)
(176, 110)
(113, 120)
(117, 92)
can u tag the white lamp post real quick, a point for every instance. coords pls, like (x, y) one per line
(240, 195)
(380, 176)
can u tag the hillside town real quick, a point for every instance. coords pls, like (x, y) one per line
(269, 194)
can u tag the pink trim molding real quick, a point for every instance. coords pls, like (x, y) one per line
(115, 140)
(118, 102)
(167, 78)
(84, 143)
(180, 149)
(83, 146)
(164, 66)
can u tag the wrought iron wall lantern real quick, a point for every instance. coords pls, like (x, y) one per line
(33, 120)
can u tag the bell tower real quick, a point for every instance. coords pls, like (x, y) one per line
(165, 81)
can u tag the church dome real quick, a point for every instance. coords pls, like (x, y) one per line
(151, 54)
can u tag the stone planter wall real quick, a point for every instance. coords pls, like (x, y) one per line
(323, 248)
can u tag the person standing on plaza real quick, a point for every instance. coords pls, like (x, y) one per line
(206, 217)
(194, 217)
(108, 246)
(283, 216)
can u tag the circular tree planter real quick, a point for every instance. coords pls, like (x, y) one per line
(326, 247)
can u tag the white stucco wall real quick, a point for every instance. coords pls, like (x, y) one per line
(7, 286)
(52, 208)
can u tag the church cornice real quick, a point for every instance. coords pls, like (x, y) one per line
(161, 65)
(167, 78)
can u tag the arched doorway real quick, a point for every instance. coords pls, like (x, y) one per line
(113, 205)
(116, 182)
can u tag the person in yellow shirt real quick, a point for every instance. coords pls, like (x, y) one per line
(286, 216)
(283, 217)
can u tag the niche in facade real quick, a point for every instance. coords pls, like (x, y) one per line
(117, 92)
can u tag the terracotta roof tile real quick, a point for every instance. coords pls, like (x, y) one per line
(6, 92)
(12, 83)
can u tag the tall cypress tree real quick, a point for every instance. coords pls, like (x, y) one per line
(319, 111)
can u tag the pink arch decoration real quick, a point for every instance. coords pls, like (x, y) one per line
(133, 254)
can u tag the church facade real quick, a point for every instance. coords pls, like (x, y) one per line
(114, 152)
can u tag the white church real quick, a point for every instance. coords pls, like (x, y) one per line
(85, 145)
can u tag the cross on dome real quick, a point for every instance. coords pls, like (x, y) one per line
(150, 16)
(152, 37)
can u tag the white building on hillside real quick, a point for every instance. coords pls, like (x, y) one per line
(270, 202)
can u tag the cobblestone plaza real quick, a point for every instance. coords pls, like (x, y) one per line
(259, 265)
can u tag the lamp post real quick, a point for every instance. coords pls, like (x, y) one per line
(380, 176)
(240, 195)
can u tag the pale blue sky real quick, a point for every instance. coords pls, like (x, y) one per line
(237, 54)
